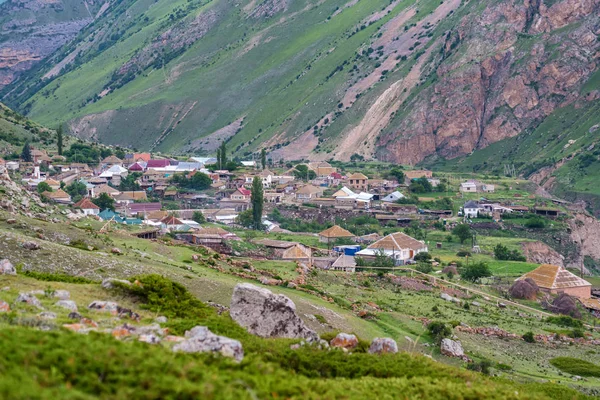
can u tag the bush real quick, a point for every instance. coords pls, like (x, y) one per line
(501, 252)
(163, 296)
(463, 253)
(565, 320)
(482, 366)
(528, 337)
(576, 366)
(48, 277)
(439, 330)
(475, 272)
(424, 267)
(535, 223)
(577, 333)
(424, 256)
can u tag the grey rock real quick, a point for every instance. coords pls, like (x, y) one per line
(29, 299)
(452, 348)
(201, 340)
(161, 319)
(266, 314)
(75, 315)
(68, 304)
(447, 297)
(383, 345)
(109, 283)
(476, 304)
(344, 341)
(107, 306)
(31, 245)
(6, 268)
(47, 315)
(62, 294)
(149, 338)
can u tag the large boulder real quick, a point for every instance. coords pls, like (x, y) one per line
(452, 348)
(109, 283)
(266, 314)
(67, 304)
(31, 245)
(29, 299)
(524, 289)
(6, 268)
(200, 340)
(344, 341)
(383, 345)
(106, 306)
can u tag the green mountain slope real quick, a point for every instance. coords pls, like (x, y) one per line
(398, 80)
(15, 130)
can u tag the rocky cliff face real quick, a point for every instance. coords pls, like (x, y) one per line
(497, 76)
(31, 30)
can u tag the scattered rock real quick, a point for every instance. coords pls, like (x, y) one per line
(116, 250)
(29, 299)
(476, 304)
(106, 306)
(345, 341)
(447, 297)
(31, 245)
(68, 304)
(201, 340)
(383, 345)
(79, 328)
(123, 331)
(266, 314)
(47, 315)
(501, 305)
(6, 268)
(161, 319)
(292, 285)
(11, 221)
(4, 306)
(452, 348)
(149, 338)
(74, 315)
(109, 283)
(62, 294)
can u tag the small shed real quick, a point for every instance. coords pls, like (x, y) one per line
(334, 233)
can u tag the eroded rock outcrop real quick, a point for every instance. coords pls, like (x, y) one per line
(201, 340)
(266, 314)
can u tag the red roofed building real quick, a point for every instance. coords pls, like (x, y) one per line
(87, 206)
(158, 163)
(136, 167)
(241, 194)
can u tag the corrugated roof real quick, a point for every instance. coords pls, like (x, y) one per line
(358, 175)
(344, 261)
(593, 304)
(397, 241)
(554, 277)
(295, 252)
(336, 231)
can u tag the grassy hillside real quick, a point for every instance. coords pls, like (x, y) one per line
(15, 130)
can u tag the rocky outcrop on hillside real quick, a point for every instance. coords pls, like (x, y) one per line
(585, 232)
(541, 253)
(497, 76)
(31, 30)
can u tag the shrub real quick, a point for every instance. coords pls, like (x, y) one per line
(166, 297)
(565, 320)
(577, 333)
(528, 337)
(463, 253)
(424, 256)
(424, 267)
(475, 272)
(439, 330)
(48, 277)
(535, 222)
(576, 366)
(482, 366)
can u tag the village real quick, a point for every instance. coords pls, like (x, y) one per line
(314, 214)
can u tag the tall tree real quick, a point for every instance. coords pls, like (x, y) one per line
(219, 157)
(263, 158)
(26, 153)
(257, 199)
(223, 154)
(59, 139)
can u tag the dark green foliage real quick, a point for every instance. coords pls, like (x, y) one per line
(439, 330)
(565, 320)
(104, 202)
(528, 337)
(166, 297)
(245, 218)
(43, 187)
(420, 185)
(481, 366)
(576, 366)
(257, 199)
(535, 222)
(423, 256)
(48, 277)
(397, 174)
(301, 172)
(83, 153)
(129, 183)
(501, 252)
(76, 190)
(577, 333)
(59, 139)
(198, 217)
(463, 253)
(476, 271)
(424, 267)
(462, 232)
(26, 153)
(198, 181)
(263, 158)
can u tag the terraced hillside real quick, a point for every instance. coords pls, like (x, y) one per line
(398, 80)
